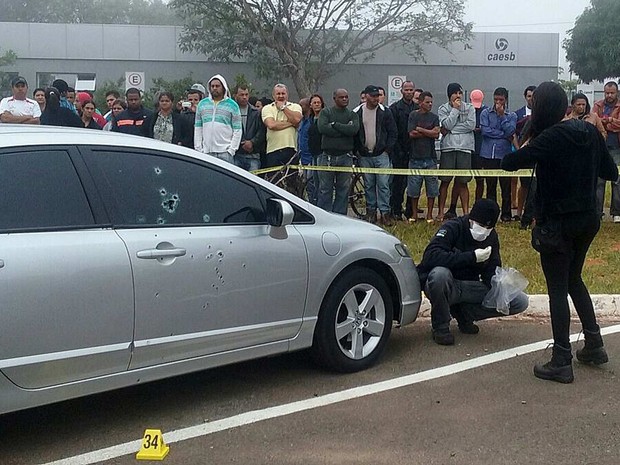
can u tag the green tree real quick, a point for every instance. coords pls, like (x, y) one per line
(592, 45)
(177, 87)
(104, 88)
(88, 11)
(6, 59)
(308, 40)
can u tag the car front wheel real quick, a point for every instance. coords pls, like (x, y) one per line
(354, 323)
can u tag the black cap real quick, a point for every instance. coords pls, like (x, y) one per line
(19, 80)
(485, 212)
(453, 88)
(371, 90)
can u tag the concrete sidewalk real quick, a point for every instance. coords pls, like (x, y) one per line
(605, 305)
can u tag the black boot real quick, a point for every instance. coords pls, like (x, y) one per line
(559, 369)
(593, 351)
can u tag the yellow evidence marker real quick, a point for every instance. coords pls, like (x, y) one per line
(153, 446)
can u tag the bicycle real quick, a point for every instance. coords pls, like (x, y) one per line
(290, 178)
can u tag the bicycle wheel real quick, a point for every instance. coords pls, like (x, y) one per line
(357, 196)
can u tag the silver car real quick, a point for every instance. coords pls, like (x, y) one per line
(125, 260)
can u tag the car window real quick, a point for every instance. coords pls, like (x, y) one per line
(154, 189)
(41, 189)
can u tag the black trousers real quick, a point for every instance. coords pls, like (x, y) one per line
(563, 275)
(504, 183)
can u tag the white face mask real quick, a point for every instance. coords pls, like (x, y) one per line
(479, 233)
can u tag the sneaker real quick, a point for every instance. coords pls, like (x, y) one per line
(443, 338)
(469, 327)
(616, 219)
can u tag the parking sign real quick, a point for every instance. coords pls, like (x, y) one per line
(134, 79)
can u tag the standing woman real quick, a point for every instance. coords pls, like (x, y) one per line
(88, 108)
(314, 144)
(56, 115)
(167, 125)
(566, 219)
(39, 96)
(117, 107)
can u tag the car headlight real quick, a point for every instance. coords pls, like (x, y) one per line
(402, 250)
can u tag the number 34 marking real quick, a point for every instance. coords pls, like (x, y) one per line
(151, 442)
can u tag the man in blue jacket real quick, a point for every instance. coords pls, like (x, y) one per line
(497, 125)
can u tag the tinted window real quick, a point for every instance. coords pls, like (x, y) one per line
(41, 189)
(149, 189)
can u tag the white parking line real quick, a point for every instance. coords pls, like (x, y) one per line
(314, 402)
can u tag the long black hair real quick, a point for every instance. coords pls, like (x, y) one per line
(549, 105)
(52, 100)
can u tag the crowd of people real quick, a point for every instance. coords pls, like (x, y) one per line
(256, 133)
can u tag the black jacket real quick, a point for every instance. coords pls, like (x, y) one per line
(569, 156)
(401, 111)
(386, 133)
(255, 131)
(453, 247)
(130, 122)
(182, 132)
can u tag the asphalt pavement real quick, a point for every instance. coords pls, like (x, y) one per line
(445, 412)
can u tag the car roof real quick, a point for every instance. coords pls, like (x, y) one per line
(23, 135)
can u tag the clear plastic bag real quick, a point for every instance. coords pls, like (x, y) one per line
(506, 283)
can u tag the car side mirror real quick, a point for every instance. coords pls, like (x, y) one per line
(279, 213)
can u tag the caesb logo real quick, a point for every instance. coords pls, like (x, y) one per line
(501, 44)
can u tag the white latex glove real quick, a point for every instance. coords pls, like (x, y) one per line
(482, 255)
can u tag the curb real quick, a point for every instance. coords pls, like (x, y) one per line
(605, 305)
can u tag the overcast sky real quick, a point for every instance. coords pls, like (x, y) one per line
(526, 16)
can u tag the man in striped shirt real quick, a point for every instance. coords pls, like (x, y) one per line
(218, 122)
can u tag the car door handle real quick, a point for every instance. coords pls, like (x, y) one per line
(160, 253)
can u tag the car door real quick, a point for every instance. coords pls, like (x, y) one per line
(208, 274)
(66, 298)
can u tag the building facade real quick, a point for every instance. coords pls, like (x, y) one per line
(87, 55)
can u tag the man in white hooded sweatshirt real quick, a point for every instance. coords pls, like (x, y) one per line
(218, 122)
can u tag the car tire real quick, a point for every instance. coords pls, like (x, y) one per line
(354, 323)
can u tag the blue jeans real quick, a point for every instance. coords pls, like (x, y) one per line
(334, 186)
(377, 186)
(414, 184)
(312, 183)
(249, 162)
(462, 299)
(223, 156)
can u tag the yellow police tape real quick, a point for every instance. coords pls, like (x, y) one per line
(401, 171)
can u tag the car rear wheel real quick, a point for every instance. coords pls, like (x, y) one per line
(354, 323)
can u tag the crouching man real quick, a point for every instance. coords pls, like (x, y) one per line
(456, 271)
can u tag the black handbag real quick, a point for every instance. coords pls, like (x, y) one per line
(547, 237)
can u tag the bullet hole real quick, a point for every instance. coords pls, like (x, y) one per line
(230, 242)
(243, 265)
(161, 220)
(209, 257)
(170, 203)
(162, 192)
(157, 294)
(157, 170)
(206, 219)
(220, 253)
